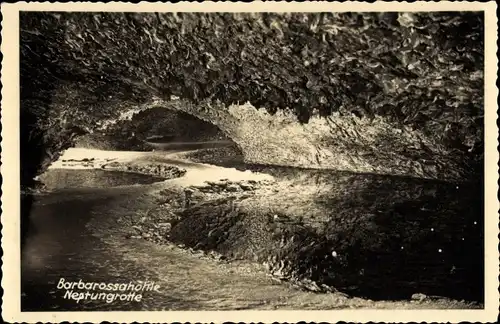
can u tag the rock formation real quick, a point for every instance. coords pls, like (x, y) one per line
(365, 92)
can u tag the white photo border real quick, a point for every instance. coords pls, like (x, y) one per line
(10, 170)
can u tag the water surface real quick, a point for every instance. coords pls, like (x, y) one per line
(401, 236)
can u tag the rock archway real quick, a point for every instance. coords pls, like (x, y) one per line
(405, 99)
(156, 128)
(346, 143)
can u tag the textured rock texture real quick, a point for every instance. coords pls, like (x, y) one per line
(399, 93)
(366, 235)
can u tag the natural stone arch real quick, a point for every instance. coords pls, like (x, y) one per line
(341, 143)
(337, 142)
(160, 122)
(388, 113)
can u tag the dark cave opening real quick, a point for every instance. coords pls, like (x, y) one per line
(159, 128)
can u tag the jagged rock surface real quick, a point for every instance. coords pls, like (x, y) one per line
(415, 76)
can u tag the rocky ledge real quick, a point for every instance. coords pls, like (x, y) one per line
(227, 186)
(157, 223)
(160, 170)
(154, 169)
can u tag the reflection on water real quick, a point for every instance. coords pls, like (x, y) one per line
(60, 178)
(61, 245)
(391, 236)
(373, 236)
(399, 236)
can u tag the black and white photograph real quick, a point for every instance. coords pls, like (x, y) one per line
(278, 159)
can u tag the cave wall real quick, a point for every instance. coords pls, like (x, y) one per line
(398, 93)
(345, 143)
